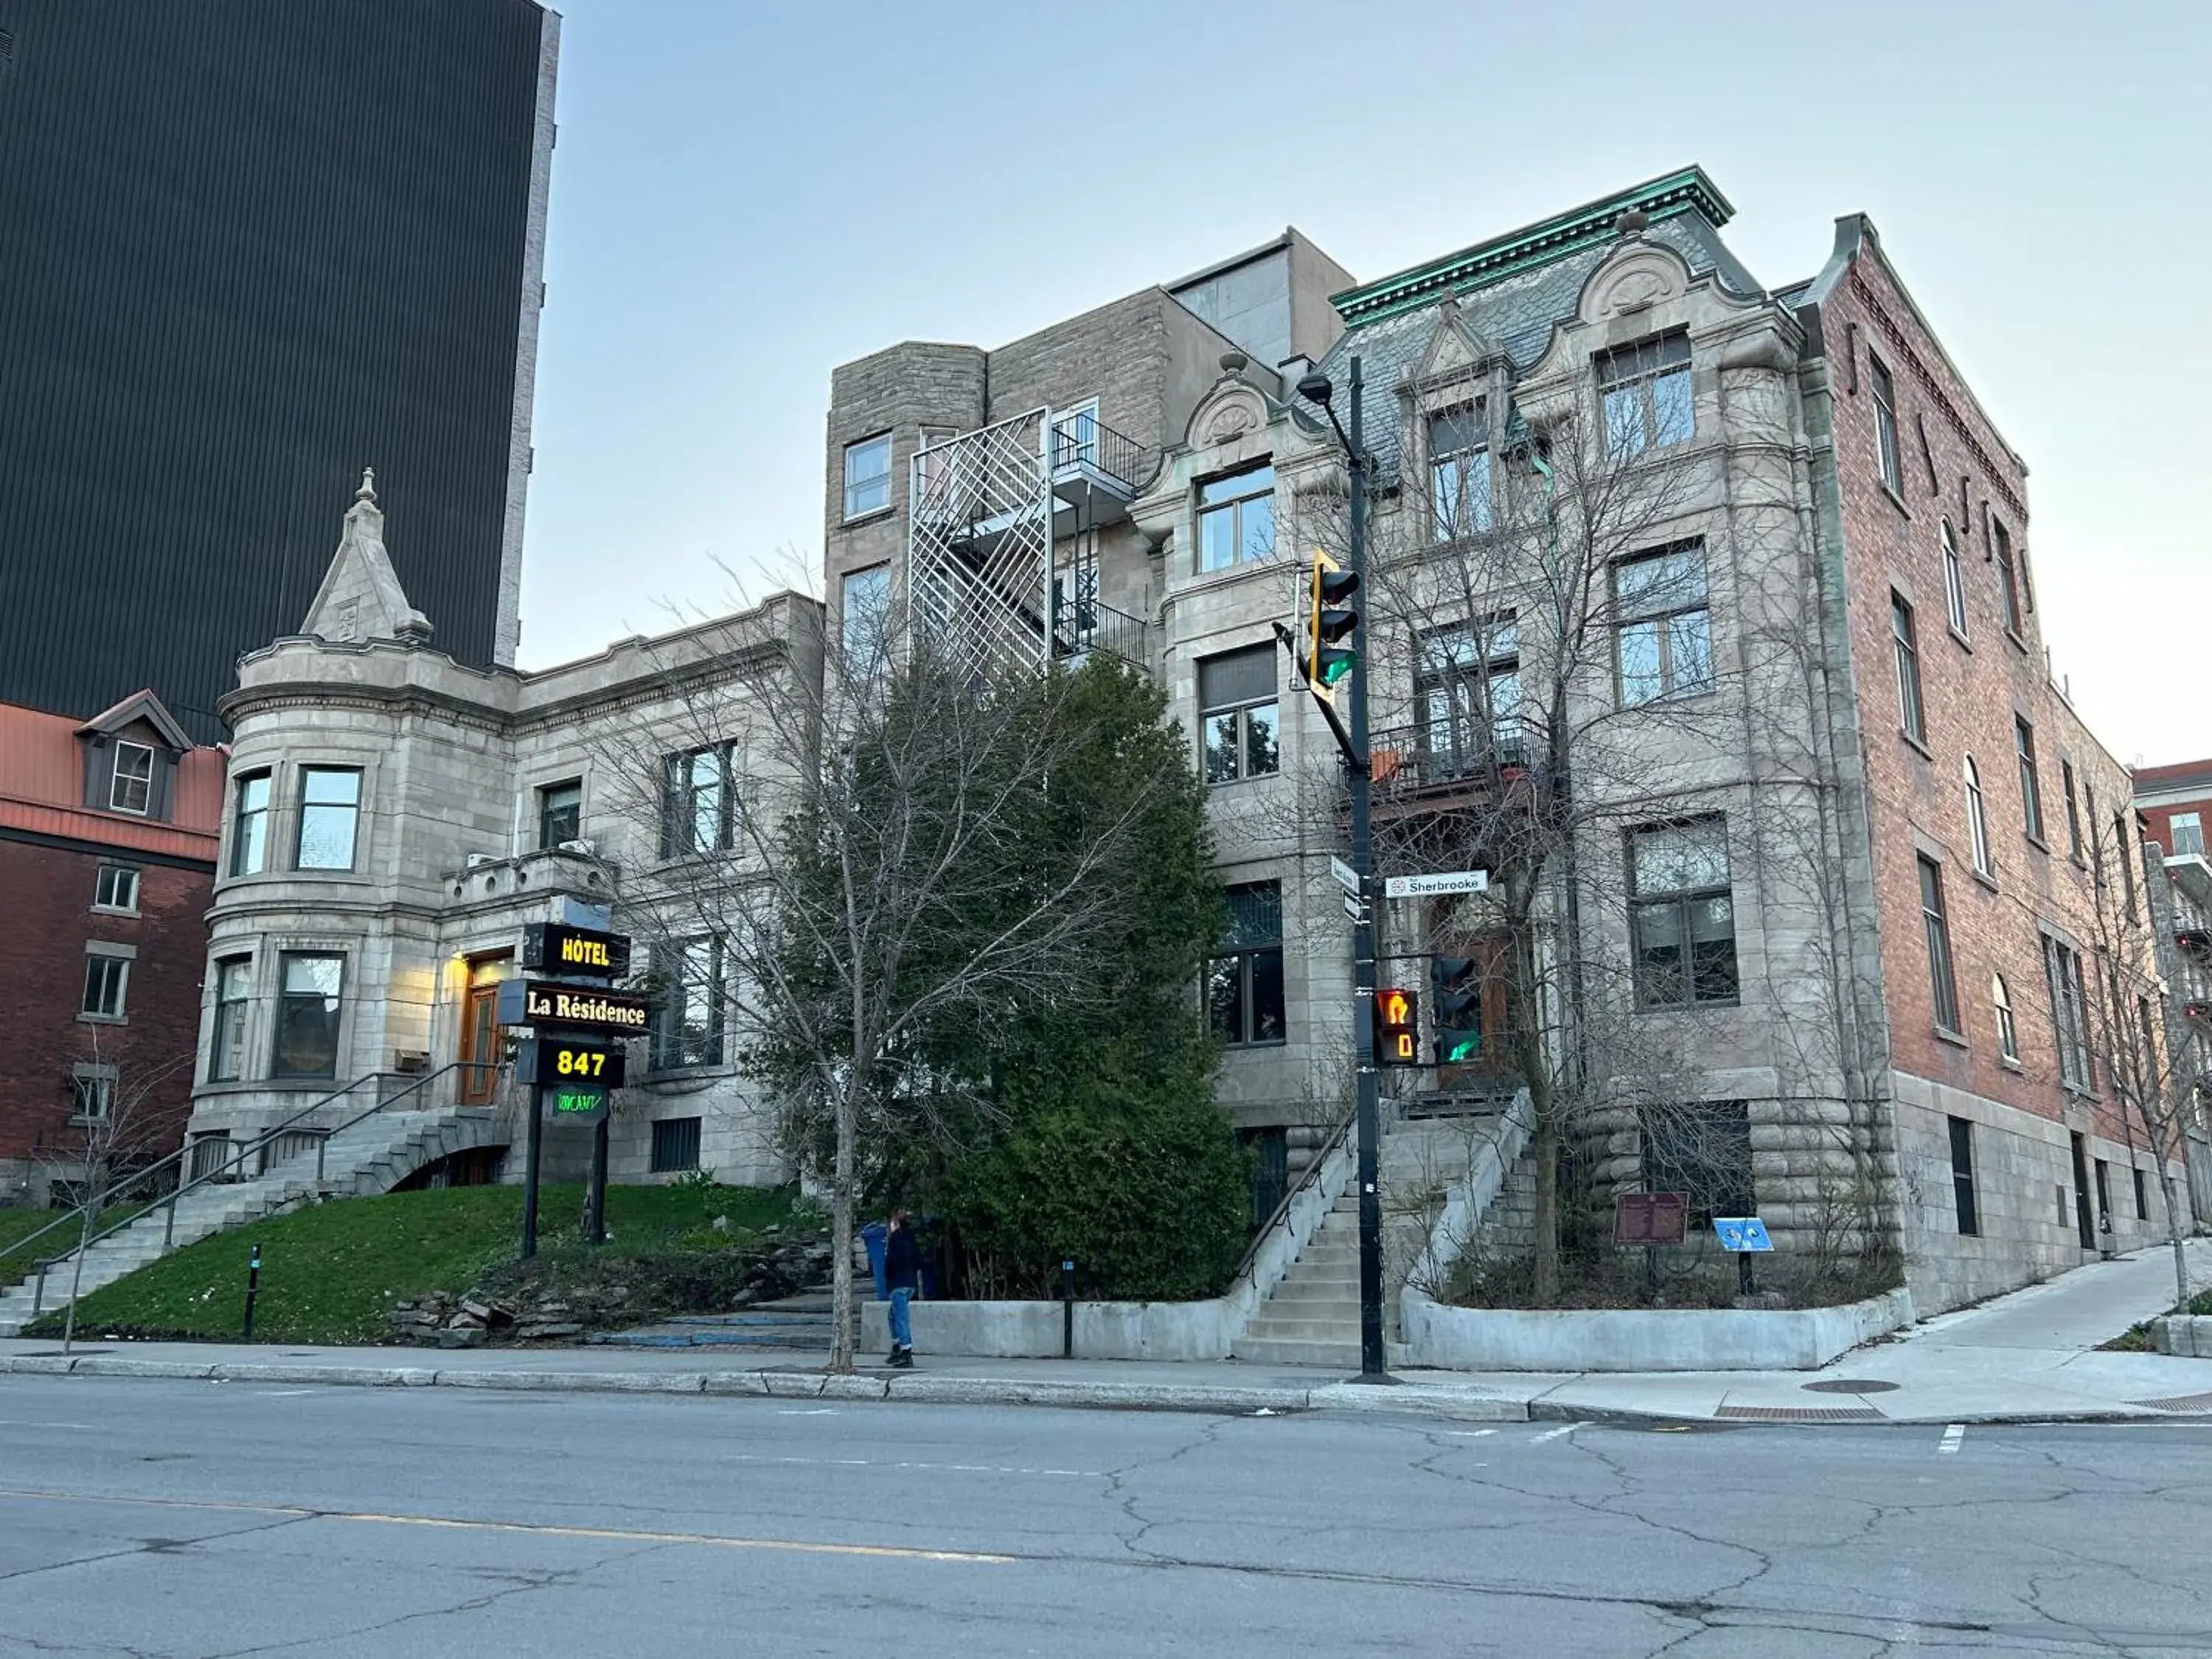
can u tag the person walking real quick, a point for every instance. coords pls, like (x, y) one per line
(902, 1272)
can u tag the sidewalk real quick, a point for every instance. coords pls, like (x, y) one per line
(2029, 1357)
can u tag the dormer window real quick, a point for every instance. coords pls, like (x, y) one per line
(131, 787)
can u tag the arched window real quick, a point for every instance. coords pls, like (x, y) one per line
(1977, 822)
(2007, 1033)
(1955, 582)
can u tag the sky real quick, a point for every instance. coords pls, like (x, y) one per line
(745, 195)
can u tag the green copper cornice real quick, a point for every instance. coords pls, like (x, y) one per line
(1686, 191)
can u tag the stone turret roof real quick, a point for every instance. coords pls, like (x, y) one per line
(361, 598)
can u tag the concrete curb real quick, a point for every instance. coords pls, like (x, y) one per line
(1412, 1400)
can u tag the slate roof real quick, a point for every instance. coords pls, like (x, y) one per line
(1535, 287)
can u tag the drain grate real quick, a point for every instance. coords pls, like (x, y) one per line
(2179, 1402)
(1801, 1414)
(1850, 1385)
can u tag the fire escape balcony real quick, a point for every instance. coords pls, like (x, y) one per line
(1413, 766)
(1097, 472)
(2195, 941)
(1082, 626)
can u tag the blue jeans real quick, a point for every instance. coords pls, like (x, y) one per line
(902, 1323)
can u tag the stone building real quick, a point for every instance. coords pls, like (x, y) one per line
(108, 847)
(1843, 854)
(396, 819)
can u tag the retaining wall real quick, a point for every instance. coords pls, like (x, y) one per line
(1641, 1339)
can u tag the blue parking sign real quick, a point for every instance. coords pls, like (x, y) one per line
(1739, 1233)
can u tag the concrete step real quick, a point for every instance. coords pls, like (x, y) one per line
(1271, 1351)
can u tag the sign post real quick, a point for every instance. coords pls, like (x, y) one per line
(1742, 1237)
(569, 1072)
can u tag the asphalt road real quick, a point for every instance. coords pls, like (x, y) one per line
(200, 1519)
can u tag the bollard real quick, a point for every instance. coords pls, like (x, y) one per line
(252, 1288)
(1067, 1309)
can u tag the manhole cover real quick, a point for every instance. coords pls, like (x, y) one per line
(1850, 1385)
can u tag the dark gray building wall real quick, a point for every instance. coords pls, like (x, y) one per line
(246, 248)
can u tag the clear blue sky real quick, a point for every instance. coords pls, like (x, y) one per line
(746, 194)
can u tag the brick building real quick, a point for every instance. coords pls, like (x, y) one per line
(2174, 802)
(1920, 907)
(108, 847)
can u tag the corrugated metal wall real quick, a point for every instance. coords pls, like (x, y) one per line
(246, 248)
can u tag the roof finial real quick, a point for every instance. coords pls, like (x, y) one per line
(1631, 221)
(367, 490)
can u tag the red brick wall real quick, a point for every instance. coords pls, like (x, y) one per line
(1970, 692)
(2157, 819)
(45, 896)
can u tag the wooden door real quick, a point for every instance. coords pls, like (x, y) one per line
(480, 1028)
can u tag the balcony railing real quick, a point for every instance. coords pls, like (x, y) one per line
(1415, 760)
(1087, 441)
(1088, 625)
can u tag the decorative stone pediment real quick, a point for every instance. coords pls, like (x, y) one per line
(1455, 348)
(1231, 411)
(1640, 276)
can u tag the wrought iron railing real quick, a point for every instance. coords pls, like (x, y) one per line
(222, 1170)
(1087, 440)
(1307, 1177)
(1410, 759)
(1086, 625)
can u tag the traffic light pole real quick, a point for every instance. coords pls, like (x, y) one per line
(1372, 1358)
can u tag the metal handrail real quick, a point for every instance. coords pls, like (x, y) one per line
(1093, 443)
(245, 1150)
(1312, 1175)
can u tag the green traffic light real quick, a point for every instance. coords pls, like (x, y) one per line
(1456, 1046)
(1336, 665)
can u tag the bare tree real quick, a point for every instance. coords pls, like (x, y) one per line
(847, 875)
(120, 1116)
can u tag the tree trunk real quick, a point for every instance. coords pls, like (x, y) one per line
(1546, 1286)
(841, 1234)
(2173, 1237)
(77, 1274)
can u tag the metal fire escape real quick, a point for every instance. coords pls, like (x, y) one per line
(1002, 542)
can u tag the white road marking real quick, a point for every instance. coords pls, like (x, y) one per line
(280, 1393)
(1468, 1434)
(816, 1411)
(1952, 1437)
(1554, 1434)
(890, 1463)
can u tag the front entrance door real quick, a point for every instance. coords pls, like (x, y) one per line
(480, 1043)
(2082, 1222)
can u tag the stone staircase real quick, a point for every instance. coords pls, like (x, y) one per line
(367, 1157)
(803, 1322)
(1312, 1318)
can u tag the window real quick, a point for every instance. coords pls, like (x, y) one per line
(1885, 426)
(1239, 723)
(2073, 809)
(2142, 1196)
(1977, 822)
(329, 814)
(131, 787)
(1075, 436)
(1467, 694)
(2126, 857)
(310, 987)
(1955, 581)
(1701, 1148)
(866, 612)
(2007, 1027)
(2187, 829)
(106, 984)
(2031, 793)
(1682, 914)
(1458, 473)
(698, 816)
(1940, 985)
(1665, 633)
(868, 475)
(560, 813)
(1962, 1176)
(116, 888)
(1645, 390)
(226, 1043)
(2008, 578)
(675, 1145)
(91, 1093)
(1909, 711)
(1244, 982)
(2147, 1067)
(2062, 968)
(249, 826)
(1236, 518)
(689, 1028)
(934, 461)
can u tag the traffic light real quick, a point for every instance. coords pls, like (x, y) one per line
(1329, 618)
(1459, 1009)
(1397, 1029)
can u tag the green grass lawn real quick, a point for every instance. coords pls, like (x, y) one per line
(18, 1257)
(331, 1273)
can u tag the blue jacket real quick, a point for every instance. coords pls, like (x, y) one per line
(902, 1261)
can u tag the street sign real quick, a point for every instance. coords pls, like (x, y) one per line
(540, 1002)
(1347, 877)
(556, 1061)
(1435, 883)
(1651, 1219)
(551, 948)
(1353, 908)
(1742, 1233)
